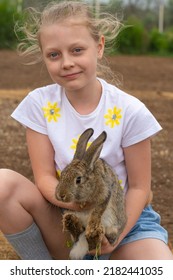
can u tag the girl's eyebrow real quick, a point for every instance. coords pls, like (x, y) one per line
(50, 49)
(77, 43)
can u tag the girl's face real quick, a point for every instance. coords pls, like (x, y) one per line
(70, 54)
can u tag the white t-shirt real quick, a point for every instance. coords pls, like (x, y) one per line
(125, 119)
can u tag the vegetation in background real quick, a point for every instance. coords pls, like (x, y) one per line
(139, 36)
(9, 14)
(134, 38)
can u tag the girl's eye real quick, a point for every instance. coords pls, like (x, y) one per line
(77, 50)
(53, 55)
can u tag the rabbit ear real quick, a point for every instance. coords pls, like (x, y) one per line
(82, 143)
(93, 152)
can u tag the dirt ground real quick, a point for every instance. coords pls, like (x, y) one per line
(148, 78)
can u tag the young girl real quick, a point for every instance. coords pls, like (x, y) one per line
(71, 43)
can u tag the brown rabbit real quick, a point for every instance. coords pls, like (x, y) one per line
(88, 179)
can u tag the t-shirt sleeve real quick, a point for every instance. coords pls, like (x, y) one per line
(30, 113)
(141, 125)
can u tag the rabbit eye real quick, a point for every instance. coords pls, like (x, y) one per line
(78, 180)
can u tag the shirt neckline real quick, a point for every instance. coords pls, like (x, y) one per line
(93, 113)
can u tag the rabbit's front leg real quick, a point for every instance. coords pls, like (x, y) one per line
(94, 230)
(72, 224)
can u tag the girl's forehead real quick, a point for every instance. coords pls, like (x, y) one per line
(65, 26)
(65, 34)
(70, 21)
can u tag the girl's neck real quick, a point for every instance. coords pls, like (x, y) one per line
(86, 100)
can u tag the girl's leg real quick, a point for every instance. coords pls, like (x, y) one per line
(21, 204)
(144, 249)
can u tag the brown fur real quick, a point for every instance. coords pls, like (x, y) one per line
(90, 180)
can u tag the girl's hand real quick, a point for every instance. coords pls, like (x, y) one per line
(74, 206)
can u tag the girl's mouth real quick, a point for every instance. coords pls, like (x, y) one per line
(72, 75)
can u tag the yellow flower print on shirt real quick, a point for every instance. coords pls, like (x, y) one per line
(51, 112)
(120, 182)
(58, 173)
(75, 141)
(113, 117)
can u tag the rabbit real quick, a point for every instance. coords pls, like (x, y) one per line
(88, 179)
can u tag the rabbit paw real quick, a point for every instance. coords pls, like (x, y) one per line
(73, 225)
(112, 235)
(112, 238)
(94, 237)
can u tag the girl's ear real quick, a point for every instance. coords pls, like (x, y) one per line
(101, 46)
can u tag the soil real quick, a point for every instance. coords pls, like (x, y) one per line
(148, 78)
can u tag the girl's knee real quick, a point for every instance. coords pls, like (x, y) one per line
(6, 173)
(8, 182)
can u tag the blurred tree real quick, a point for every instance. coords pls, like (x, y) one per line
(8, 15)
(134, 38)
(169, 14)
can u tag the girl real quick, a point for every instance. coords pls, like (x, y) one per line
(71, 43)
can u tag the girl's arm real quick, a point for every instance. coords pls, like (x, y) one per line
(138, 164)
(41, 154)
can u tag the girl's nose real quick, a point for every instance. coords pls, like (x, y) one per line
(67, 62)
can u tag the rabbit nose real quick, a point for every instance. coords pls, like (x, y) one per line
(63, 197)
(60, 196)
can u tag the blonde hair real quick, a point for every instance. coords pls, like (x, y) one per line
(106, 25)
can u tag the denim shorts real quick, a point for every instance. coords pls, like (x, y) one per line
(147, 226)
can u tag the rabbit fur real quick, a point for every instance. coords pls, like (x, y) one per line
(88, 179)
